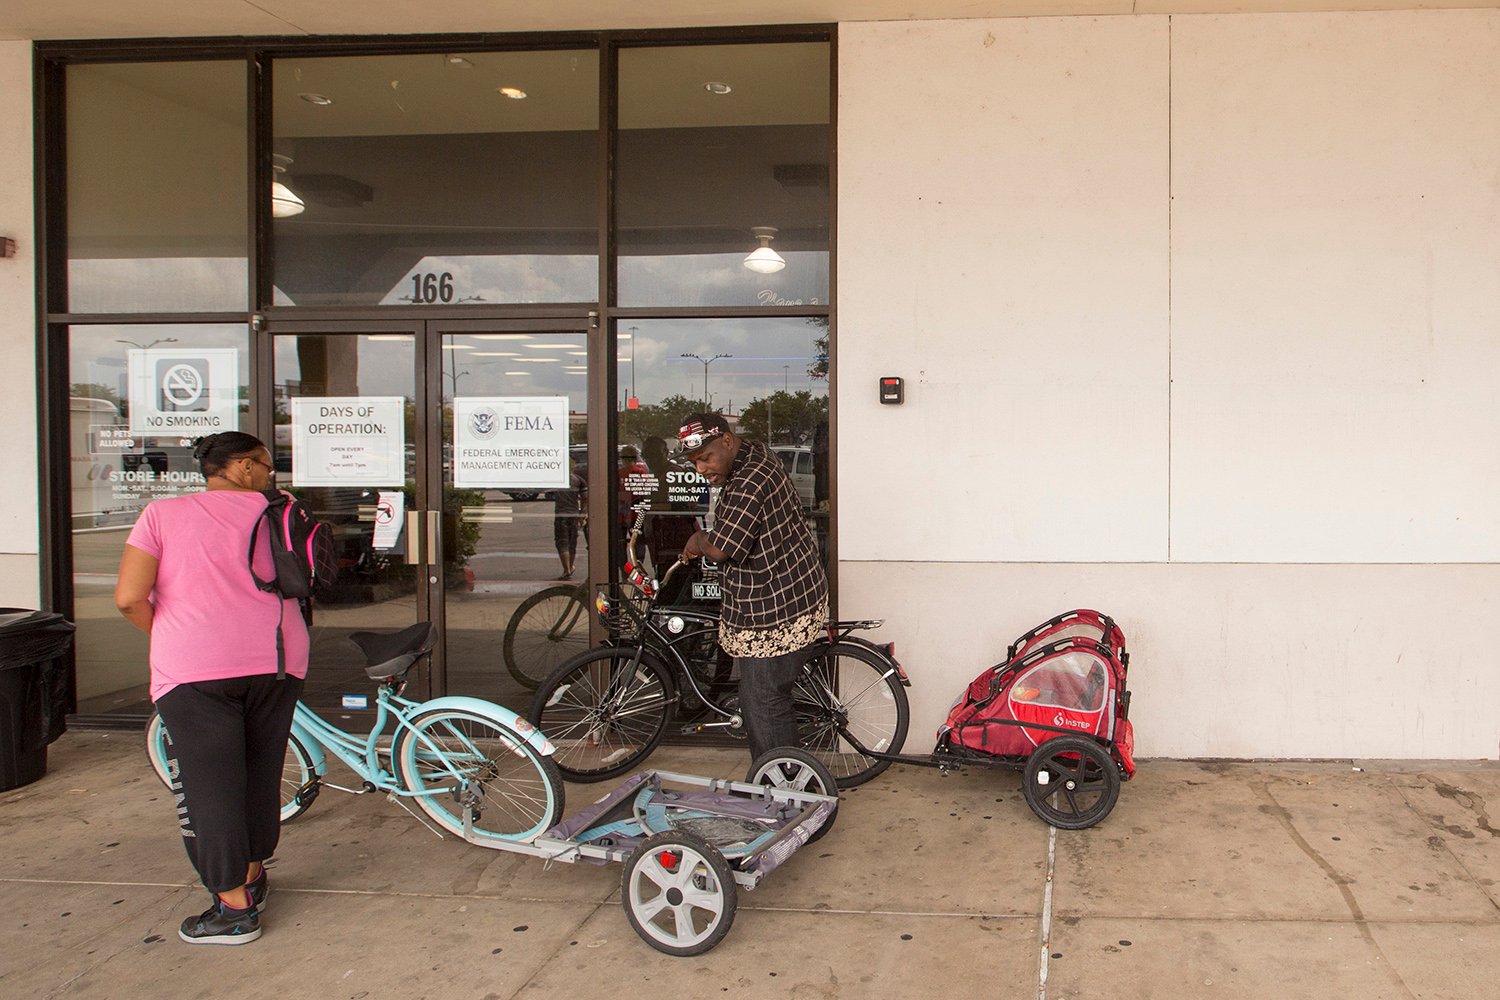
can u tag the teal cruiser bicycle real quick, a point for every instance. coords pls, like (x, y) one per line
(473, 767)
(688, 843)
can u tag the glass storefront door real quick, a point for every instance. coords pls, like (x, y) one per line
(517, 544)
(346, 440)
(450, 461)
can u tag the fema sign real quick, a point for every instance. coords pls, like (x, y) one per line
(183, 393)
(502, 442)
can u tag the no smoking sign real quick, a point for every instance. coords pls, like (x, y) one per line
(183, 393)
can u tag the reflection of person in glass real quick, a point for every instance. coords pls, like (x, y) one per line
(630, 482)
(666, 532)
(183, 580)
(775, 593)
(567, 516)
(658, 461)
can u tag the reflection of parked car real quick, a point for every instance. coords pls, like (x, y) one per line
(798, 462)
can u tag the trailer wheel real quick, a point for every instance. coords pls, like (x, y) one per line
(679, 893)
(800, 771)
(1071, 782)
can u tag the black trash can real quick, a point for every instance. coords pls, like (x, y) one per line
(33, 691)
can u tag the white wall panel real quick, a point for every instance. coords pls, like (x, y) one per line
(1336, 287)
(1002, 234)
(18, 414)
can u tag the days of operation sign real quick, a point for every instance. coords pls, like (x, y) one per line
(183, 393)
(510, 441)
(349, 441)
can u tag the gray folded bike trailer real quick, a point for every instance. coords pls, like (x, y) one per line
(689, 843)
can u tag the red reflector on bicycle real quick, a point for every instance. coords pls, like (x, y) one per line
(669, 860)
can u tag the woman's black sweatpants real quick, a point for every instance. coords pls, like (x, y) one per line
(226, 745)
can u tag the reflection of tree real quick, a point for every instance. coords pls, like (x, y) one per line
(796, 415)
(96, 390)
(657, 420)
(819, 366)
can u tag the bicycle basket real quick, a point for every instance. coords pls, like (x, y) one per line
(621, 608)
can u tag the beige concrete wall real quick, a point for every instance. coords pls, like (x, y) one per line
(18, 457)
(1227, 660)
(1196, 315)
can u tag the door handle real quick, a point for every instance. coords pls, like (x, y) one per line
(434, 537)
(413, 537)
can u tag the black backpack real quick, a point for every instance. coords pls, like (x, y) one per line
(302, 557)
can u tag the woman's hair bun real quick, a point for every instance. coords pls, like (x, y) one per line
(202, 445)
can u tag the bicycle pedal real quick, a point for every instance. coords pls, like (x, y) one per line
(309, 792)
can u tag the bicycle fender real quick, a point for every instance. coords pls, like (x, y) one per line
(313, 747)
(495, 713)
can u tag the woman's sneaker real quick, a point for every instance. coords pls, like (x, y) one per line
(219, 924)
(259, 890)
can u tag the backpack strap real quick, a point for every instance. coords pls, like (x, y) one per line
(274, 499)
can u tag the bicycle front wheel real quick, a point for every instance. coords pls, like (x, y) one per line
(604, 712)
(456, 759)
(296, 772)
(548, 628)
(847, 688)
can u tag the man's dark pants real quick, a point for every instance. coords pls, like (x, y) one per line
(766, 700)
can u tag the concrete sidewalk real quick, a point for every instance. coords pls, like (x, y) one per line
(1254, 880)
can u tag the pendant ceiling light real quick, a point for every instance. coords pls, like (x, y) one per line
(283, 202)
(764, 260)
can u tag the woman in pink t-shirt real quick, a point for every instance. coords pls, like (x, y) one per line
(185, 580)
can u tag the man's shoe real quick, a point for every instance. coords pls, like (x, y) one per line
(221, 925)
(259, 890)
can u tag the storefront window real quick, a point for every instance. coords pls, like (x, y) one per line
(723, 149)
(157, 198)
(769, 377)
(436, 179)
(472, 185)
(137, 397)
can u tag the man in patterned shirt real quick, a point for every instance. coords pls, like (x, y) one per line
(775, 593)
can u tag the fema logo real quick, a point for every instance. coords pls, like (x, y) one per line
(483, 424)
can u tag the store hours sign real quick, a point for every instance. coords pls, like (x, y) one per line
(505, 442)
(183, 393)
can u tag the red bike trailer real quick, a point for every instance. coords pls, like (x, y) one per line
(1057, 709)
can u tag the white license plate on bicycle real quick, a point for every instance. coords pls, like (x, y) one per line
(707, 591)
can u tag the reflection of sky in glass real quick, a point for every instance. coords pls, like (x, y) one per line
(720, 279)
(505, 278)
(767, 355)
(533, 364)
(157, 284)
(485, 364)
(384, 366)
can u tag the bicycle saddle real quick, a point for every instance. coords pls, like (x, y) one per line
(391, 654)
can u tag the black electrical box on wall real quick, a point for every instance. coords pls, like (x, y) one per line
(892, 389)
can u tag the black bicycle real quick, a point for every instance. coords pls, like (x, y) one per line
(607, 709)
(549, 627)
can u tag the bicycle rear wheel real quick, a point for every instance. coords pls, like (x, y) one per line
(548, 628)
(604, 712)
(847, 687)
(455, 757)
(296, 772)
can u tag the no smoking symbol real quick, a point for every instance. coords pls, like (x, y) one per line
(182, 385)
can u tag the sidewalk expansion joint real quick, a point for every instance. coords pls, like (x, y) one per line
(1278, 812)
